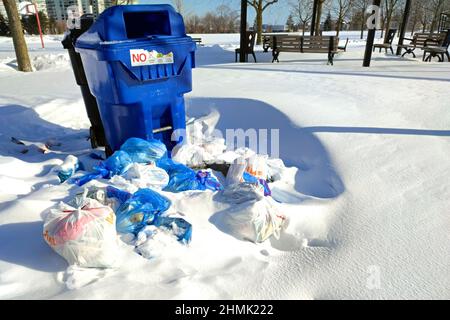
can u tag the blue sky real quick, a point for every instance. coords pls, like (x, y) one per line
(275, 14)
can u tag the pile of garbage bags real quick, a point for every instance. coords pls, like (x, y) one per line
(131, 200)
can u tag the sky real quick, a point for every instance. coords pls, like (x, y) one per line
(275, 14)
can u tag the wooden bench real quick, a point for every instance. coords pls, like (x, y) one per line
(387, 44)
(438, 50)
(344, 47)
(197, 40)
(420, 41)
(305, 44)
(267, 39)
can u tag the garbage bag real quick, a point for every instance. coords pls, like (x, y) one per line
(257, 166)
(66, 170)
(147, 176)
(93, 192)
(117, 164)
(208, 181)
(261, 183)
(144, 151)
(242, 192)
(85, 237)
(178, 226)
(140, 210)
(183, 178)
(254, 220)
(236, 171)
(121, 195)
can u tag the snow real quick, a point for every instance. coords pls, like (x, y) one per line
(367, 196)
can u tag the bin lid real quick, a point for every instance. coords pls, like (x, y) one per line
(128, 24)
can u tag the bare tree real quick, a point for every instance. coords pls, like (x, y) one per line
(435, 7)
(416, 15)
(260, 6)
(319, 16)
(225, 19)
(341, 9)
(361, 6)
(179, 6)
(302, 10)
(20, 46)
(389, 8)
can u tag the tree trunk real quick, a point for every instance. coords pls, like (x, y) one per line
(433, 24)
(259, 23)
(304, 28)
(319, 15)
(363, 22)
(388, 26)
(338, 26)
(413, 27)
(20, 46)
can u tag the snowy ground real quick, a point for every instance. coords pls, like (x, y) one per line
(368, 205)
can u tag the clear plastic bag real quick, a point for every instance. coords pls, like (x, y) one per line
(85, 237)
(256, 221)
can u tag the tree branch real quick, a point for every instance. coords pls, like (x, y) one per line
(252, 3)
(268, 3)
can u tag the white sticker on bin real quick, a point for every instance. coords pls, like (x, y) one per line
(142, 57)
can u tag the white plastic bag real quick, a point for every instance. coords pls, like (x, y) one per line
(147, 176)
(191, 155)
(257, 166)
(236, 171)
(242, 192)
(255, 220)
(275, 169)
(85, 237)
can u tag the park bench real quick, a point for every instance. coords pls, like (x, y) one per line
(197, 40)
(439, 50)
(387, 44)
(420, 40)
(305, 44)
(344, 47)
(251, 39)
(267, 39)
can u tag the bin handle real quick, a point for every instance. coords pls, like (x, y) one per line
(133, 76)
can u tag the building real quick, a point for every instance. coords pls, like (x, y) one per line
(57, 9)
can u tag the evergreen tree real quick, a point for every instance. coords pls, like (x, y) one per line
(328, 24)
(290, 23)
(52, 26)
(44, 21)
(30, 24)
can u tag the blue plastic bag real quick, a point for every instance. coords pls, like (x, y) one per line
(183, 178)
(208, 181)
(179, 227)
(143, 151)
(120, 195)
(117, 164)
(249, 178)
(140, 210)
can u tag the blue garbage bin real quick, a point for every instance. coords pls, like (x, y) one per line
(138, 62)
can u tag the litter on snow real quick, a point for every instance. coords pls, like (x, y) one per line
(125, 195)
